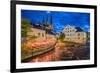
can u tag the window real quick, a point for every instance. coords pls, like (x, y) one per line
(38, 34)
(78, 34)
(68, 28)
(42, 34)
(78, 37)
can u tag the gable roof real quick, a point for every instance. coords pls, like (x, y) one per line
(78, 29)
(40, 27)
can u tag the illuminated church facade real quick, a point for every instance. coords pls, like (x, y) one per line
(42, 30)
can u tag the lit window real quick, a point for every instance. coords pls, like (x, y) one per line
(78, 34)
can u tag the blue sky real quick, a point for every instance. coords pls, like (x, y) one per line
(59, 19)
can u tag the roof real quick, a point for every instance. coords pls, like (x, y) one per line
(78, 29)
(50, 32)
(40, 27)
(37, 26)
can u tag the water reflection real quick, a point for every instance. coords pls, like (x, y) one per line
(64, 54)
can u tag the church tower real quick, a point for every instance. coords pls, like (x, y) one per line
(46, 20)
(51, 24)
(43, 23)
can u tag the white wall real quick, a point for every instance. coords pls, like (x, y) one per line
(5, 35)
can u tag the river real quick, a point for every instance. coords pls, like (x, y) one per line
(64, 54)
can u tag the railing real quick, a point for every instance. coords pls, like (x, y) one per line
(35, 54)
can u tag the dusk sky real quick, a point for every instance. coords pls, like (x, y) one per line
(59, 19)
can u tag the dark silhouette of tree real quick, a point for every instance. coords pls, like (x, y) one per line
(25, 27)
(62, 36)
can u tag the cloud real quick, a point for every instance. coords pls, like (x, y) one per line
(86, 26)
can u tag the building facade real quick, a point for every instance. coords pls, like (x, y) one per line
(38, 33)
(74, 34)
(42, 30)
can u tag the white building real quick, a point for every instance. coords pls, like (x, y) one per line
(74, 34)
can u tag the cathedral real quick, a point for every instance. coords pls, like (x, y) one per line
(43, 29)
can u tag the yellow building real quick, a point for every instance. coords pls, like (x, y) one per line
(39, 33)
(74, 34)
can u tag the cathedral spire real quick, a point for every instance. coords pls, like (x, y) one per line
(43, 23)
(46, 20)
(51, 24)
(51, 20)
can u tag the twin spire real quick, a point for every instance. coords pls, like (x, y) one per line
(47, 22)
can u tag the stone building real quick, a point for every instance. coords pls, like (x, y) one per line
(42, 30)
(74, 34)
(38, 33)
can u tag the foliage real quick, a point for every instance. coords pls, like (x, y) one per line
(62, 36)
(32, 37)
(88, 37)
(25, 27)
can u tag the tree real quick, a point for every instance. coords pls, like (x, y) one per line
(88, 36)
(25, 27)
(62, 36)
